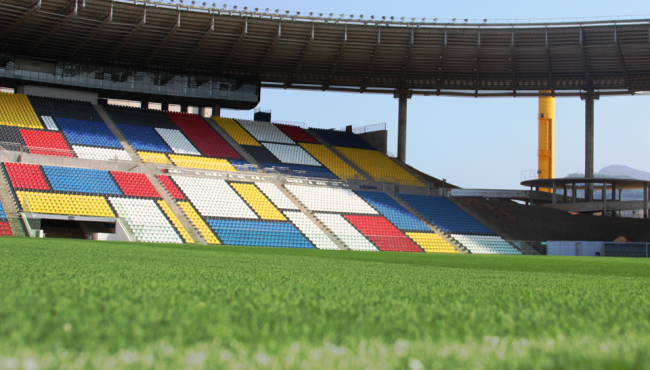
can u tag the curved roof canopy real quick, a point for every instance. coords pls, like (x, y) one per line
(293, 51)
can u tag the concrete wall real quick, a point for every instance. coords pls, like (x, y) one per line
(574, 248)
(53, 92)
(378, 139)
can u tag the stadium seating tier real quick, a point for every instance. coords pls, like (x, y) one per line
(379, 166)
(26, 176)
(382, 233)
(296, 133)
(135, 184)
(259, 233)
(333, 163)
(46, 143)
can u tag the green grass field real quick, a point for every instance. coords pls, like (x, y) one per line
(101, 305)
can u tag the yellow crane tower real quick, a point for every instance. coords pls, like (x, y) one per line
(546, 135)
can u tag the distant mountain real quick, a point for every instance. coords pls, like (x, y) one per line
(618, 170)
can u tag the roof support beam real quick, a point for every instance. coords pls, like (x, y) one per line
(409, 53)
(269, 51)
(549, 65)
(206, 34)
(69, 12)
(585, 62)
(366, 80)
(621, 61)
(513, 63)
(302, 58)
(330, 78)
(242, 32)
(30, 10)
(171, 33)
(477, 69)
(107, 19)
(443, 57)
(136, 27)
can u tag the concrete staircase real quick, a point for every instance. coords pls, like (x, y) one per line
(118, 134)
(244, 154)
(11, 208)
(457, 245)
(341, 156)
(167, 197)
(311, 216)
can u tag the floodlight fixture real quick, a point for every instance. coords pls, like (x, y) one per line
(372, 17)
(485, 20)
(234, 7)
(465, 20)
(453, 20)
(287, 12)
(297, 13)
(311, 13)
(392, 18)
(383, 17)
(435, 19)
(277, 11)
(402, 19)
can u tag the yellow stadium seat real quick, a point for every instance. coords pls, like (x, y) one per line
(175, 221)
(258, 202)
(151, 157)
(191, 161)
(16, 110)
(432, 243)
(235, 131)
(379, 166)
(64, 204)
(197, 221)
(332, 161)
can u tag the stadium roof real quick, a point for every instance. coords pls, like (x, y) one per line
(336, 53)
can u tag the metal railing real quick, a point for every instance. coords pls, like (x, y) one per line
(369, 128)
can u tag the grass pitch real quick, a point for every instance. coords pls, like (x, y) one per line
(101, 305)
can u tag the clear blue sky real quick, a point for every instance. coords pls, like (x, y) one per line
(474, 143)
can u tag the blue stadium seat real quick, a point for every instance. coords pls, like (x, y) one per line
(393, 211)
(144, 138)
(342, 138)
(81, 180)
(259, 233)
(446, 215)
(88, 133)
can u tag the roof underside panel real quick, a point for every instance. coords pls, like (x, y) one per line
(334, 53)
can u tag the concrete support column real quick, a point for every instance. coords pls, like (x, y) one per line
(614, 191)
(184, 108)
(605, 199)
(574, 193)
(401, 128)
(144, 104)
(564, 192)
(216, 110)
(164, 106)
(645, 200)
(554, 193)
(531, 195)
(203, 111)
(589, 143)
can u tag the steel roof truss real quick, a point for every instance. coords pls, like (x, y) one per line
(206, 34)
(269, 51)
(30, 10)
(243, 30)
(107, 18)
(137, 26)
(171, 33)
(69, 11)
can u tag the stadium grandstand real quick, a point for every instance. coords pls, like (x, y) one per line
(153, 175)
